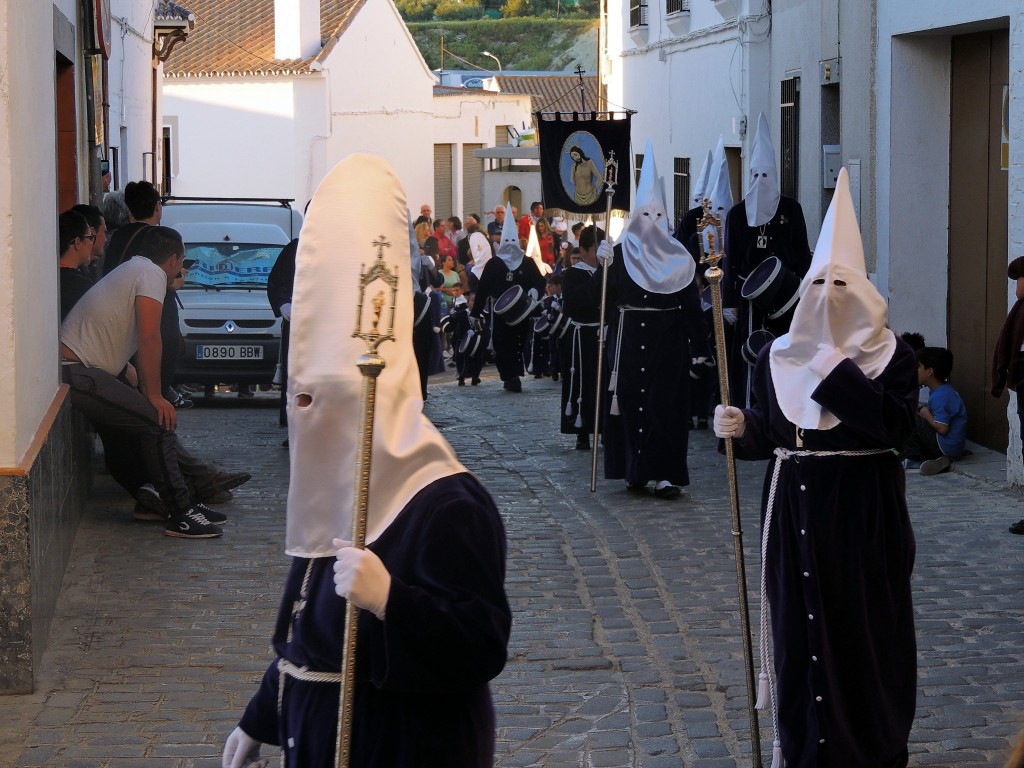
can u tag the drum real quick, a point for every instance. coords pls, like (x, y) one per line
(755, 342)
(542, 325)
(772, 288)
(515, 305)
(420, 307)
(446, 324)
(559, 326)
(475, 343)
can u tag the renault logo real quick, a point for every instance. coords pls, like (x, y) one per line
(229, 327)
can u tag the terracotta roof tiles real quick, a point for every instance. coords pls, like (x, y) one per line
(236, 37)
(552, 93)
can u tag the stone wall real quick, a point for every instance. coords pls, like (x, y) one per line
(40, 507)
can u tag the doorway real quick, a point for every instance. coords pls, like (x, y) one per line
(978, 226)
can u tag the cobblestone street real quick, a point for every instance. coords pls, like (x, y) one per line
(626, 647)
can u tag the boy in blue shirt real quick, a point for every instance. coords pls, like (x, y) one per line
(940, 432)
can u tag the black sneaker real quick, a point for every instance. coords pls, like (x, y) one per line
(217, 518)
(583, 442)
(192, 524)
(514, 385)
(1018, 528)
(149, 506)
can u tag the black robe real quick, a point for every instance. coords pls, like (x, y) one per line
(839, 559)
(509, 340)
(421, 694)
(786, 238)
(581, 301)
(280, 284)
(647, 440)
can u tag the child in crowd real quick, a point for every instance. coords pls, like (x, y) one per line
(465, 366)
(940, 432)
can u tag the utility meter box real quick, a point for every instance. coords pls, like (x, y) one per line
(831, 162)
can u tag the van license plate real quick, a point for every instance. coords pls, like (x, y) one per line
(229, 352)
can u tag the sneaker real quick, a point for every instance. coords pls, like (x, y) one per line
(1018, 528)
(149, 505)
(668, 492)
(514, 385)
(909, 466)
(217, 518)
(462, 382)
(475, 381)
(554, 376)
(208, 485)
(192, 524)
(583, 442)
(936, 466)
(220, 497)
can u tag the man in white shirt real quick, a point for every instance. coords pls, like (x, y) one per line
(119, 317)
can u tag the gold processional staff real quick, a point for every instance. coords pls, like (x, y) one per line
(370, 366)
(710, 228)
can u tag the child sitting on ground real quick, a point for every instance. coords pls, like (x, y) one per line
(940, 432)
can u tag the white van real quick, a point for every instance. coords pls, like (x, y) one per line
(231, 334)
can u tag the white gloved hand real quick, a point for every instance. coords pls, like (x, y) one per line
(698, 360)
(729, 421)
(361, 578)
(532, 293)
(606, 253)
(825, 360)
(475, 324)
(239, 748)
(729, 313)
(286, 311)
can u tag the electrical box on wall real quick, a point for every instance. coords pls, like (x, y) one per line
(830, 164)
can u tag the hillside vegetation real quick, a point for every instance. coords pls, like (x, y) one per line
(519, 43)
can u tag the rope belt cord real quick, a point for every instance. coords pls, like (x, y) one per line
(613, 383)
(576, 363)
(766, 683)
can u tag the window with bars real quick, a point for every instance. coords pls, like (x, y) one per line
(638, 161)
(789, 170)
(680, 189)
(637, 13)
(676, 6)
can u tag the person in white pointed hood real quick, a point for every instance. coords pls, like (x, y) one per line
(687, 226)
(435, 554)
(763, 225)
(656, 330)
(508, 269)
(832, 402)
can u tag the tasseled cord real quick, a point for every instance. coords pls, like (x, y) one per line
(613, 381)
(776, 754)
(572, 371)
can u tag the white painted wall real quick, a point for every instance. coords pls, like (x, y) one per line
(471, 117)
(235, 137)
(129, 75)
(278, 136)
(382, 99)
(685, 78)
(28, 248)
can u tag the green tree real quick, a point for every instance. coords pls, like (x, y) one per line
(513, 8)
(416, 10)
(458, 10)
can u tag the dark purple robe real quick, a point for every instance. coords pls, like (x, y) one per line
(581, 301)
(839, 559)
(421, 692)
(648, 439)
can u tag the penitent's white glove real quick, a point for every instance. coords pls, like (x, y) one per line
(825, 360)
(606, 253)
(729, 421)
(532, 293)
(729, 313)
(286, 311)
(361, 578)
(239, 748)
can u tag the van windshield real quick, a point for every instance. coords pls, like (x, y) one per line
(230, 265)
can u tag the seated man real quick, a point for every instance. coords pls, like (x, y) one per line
(940, 430)
(119, 315)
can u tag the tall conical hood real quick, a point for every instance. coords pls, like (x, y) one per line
(508, 249)
(533, 251)
(357, 212)
(719, 190)
(699, 189)
(839, 307)
(653, 258)
(762, 199)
